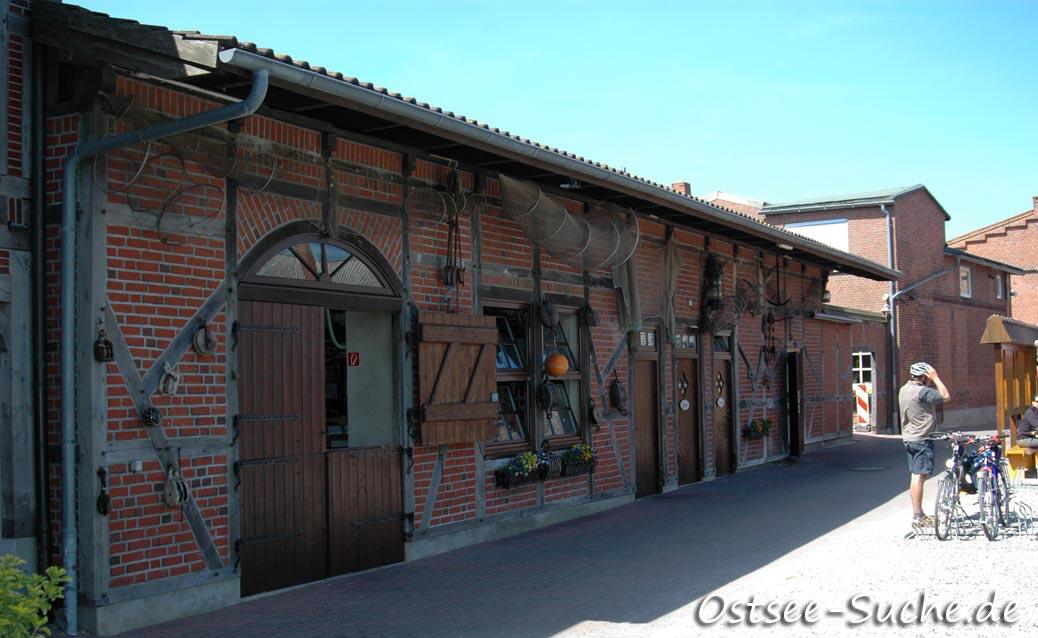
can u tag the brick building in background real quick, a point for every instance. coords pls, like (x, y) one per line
(942, 299)
(309, 340)
(1014, 241)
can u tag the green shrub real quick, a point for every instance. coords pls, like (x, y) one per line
(25, 599)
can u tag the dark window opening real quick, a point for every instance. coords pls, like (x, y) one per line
(336, 410)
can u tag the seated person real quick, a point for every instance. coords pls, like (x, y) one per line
(1027, 429)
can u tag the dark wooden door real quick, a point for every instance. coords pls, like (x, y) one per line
(794, 422)
(646, 428)
(688, 421)
(722, 393)
(280, 469)
(365, 506)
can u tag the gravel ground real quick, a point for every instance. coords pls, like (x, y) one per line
(871, 556)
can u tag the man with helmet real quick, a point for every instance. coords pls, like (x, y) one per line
(918, 401)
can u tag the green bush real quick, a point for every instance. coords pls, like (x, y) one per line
(25, 599)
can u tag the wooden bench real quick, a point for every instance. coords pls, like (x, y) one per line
(1019, 460)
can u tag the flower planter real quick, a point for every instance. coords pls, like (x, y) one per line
(506, 480)
(754, 434)
(576, 469)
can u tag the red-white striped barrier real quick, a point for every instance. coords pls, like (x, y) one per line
(861, 398)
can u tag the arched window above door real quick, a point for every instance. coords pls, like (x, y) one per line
(309, 268)
(320, 261)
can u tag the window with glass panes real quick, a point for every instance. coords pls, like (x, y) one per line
(862, 367)
(564, 339)
(513, 375)
(965, 282)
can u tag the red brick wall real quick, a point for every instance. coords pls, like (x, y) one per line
(15, 116)
(867, 234)
(739, 207)
(1013, 243)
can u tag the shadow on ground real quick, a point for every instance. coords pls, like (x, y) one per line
(631, 564)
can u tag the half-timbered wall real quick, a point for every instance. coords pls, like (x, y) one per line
(169, 235)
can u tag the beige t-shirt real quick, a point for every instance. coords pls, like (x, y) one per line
(918, 405)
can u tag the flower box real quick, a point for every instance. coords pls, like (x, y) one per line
(506, 480)
(578, 459)
(577, 468)
(754, 434)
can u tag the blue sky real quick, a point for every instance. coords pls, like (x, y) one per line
(773, 100)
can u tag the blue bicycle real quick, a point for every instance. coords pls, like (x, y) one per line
(993, 491)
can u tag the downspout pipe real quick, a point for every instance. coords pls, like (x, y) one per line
(893, 305)
(70, 539)
(39, 312)
(895, 422)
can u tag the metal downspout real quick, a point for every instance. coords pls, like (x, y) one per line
(70, 540)
(895, 422)
(39, 313)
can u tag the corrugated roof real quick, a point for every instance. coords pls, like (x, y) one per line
(850, 200)
(870, 197)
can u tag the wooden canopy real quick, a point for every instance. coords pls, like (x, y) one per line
(1016, 377)
(1001, 329)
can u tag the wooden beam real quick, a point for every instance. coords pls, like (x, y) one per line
(180, 343)
(163, 449)
(122, 43)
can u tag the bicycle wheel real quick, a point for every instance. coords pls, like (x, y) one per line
(944, 511)
(987, 502)
(1005, 493)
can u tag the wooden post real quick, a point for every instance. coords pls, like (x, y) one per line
(91, 395)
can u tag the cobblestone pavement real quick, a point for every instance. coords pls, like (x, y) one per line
(823, 529)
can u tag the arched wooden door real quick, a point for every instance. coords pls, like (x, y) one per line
(318, 470)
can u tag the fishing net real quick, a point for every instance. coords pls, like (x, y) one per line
(606, 236)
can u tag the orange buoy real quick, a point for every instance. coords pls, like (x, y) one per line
(557, 364)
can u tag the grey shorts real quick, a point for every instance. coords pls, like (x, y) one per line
(920, 456)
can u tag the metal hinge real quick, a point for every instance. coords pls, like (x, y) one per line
(408, 516)
(408, 453)
(414, 423)
(413, 338)
(252, 540)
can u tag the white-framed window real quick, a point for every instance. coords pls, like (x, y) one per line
(833, 232)
(862, 367)
(998, 285)
(965, 282)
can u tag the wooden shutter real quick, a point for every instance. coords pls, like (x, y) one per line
(457, 362)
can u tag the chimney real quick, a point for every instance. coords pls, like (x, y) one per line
(1034, 202)
(684, 188)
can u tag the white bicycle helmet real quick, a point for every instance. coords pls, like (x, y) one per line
(919, 368)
